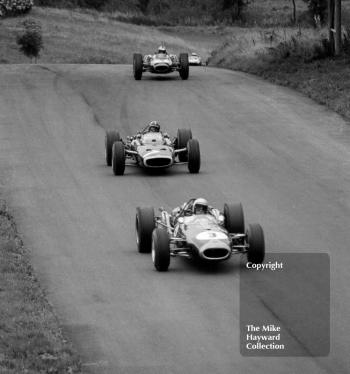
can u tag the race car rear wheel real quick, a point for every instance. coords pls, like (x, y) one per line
(183, 136)
(118, 158)
(256, 243)
(111, 137)
(144, 226)
(234, 218)
(138, 66)
(160, 249)
(184, 66)
(194, 156)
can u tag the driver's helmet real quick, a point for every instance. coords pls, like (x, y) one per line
(161, 49)
(154, 126)
(200, 206)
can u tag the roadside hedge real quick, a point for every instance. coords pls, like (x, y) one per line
(11, 7)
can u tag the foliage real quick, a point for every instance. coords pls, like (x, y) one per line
(13, 7)
(318, 9)
(30, 41)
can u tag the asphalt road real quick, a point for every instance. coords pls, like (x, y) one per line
(284, 157)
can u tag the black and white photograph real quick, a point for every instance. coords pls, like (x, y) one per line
(174, 186)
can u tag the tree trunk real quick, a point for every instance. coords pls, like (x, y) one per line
(294, 17)
(331, 23)
(337, 23)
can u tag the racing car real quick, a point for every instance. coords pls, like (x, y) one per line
(194, 59)
(213, 236)
(160, 63)
(152, 150)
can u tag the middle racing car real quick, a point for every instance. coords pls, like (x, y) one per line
(152, 149)
(196, 230)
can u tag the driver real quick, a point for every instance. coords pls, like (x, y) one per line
(153, 126)
(200, 206)
(162, 50)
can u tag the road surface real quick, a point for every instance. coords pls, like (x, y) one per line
(284, 157)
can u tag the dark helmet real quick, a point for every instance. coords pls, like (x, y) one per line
(200, 206)
(154, 126)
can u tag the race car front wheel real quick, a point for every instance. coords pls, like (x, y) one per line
(256, 244)
(160, 249)
(184, 66)
(111, 137)
(194, 156)
(234, 218)
(183, 136)
(144, 226)
(118, 158)
(138, 66)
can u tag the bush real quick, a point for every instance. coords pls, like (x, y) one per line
(302, 49)
(30, 41)
(13, 7)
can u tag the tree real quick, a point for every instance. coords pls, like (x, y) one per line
(143, 5)
(30, 41)
(294, 16)
(234, 7)
(318, 9)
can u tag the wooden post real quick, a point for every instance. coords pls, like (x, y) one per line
(331, 23)
(337, 24)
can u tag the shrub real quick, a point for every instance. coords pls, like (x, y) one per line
(30, 41)
(12, 7)
(302, 49)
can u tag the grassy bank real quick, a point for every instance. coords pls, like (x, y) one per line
(291, 57)
(30, 338)
(72, 36)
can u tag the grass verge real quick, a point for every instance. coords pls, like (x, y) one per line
(31, 340)
(72, 36)
(290, 57)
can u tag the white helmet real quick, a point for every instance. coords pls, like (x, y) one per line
(200, 206)
(161, 49)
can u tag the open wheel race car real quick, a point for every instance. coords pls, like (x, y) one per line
(160, 63)
(152, 150)
(213, 236)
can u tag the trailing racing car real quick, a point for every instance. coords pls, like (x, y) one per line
(194, 59)
(160, 63)
(150, 148)
(196, 230)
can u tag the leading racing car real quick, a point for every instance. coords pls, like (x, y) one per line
(152, 149)
(196, 230)
(160, 63)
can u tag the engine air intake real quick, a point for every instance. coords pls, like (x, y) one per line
(216, 253)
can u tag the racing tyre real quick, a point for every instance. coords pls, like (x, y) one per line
(111, 137)
(144, 226)
(194, 156)
(183, 136)
(184, 66)
(118, 158)
(138, 66)
(256, 242)
(160, 249)
(234, 218)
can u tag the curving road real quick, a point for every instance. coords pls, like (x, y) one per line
(284, 157)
